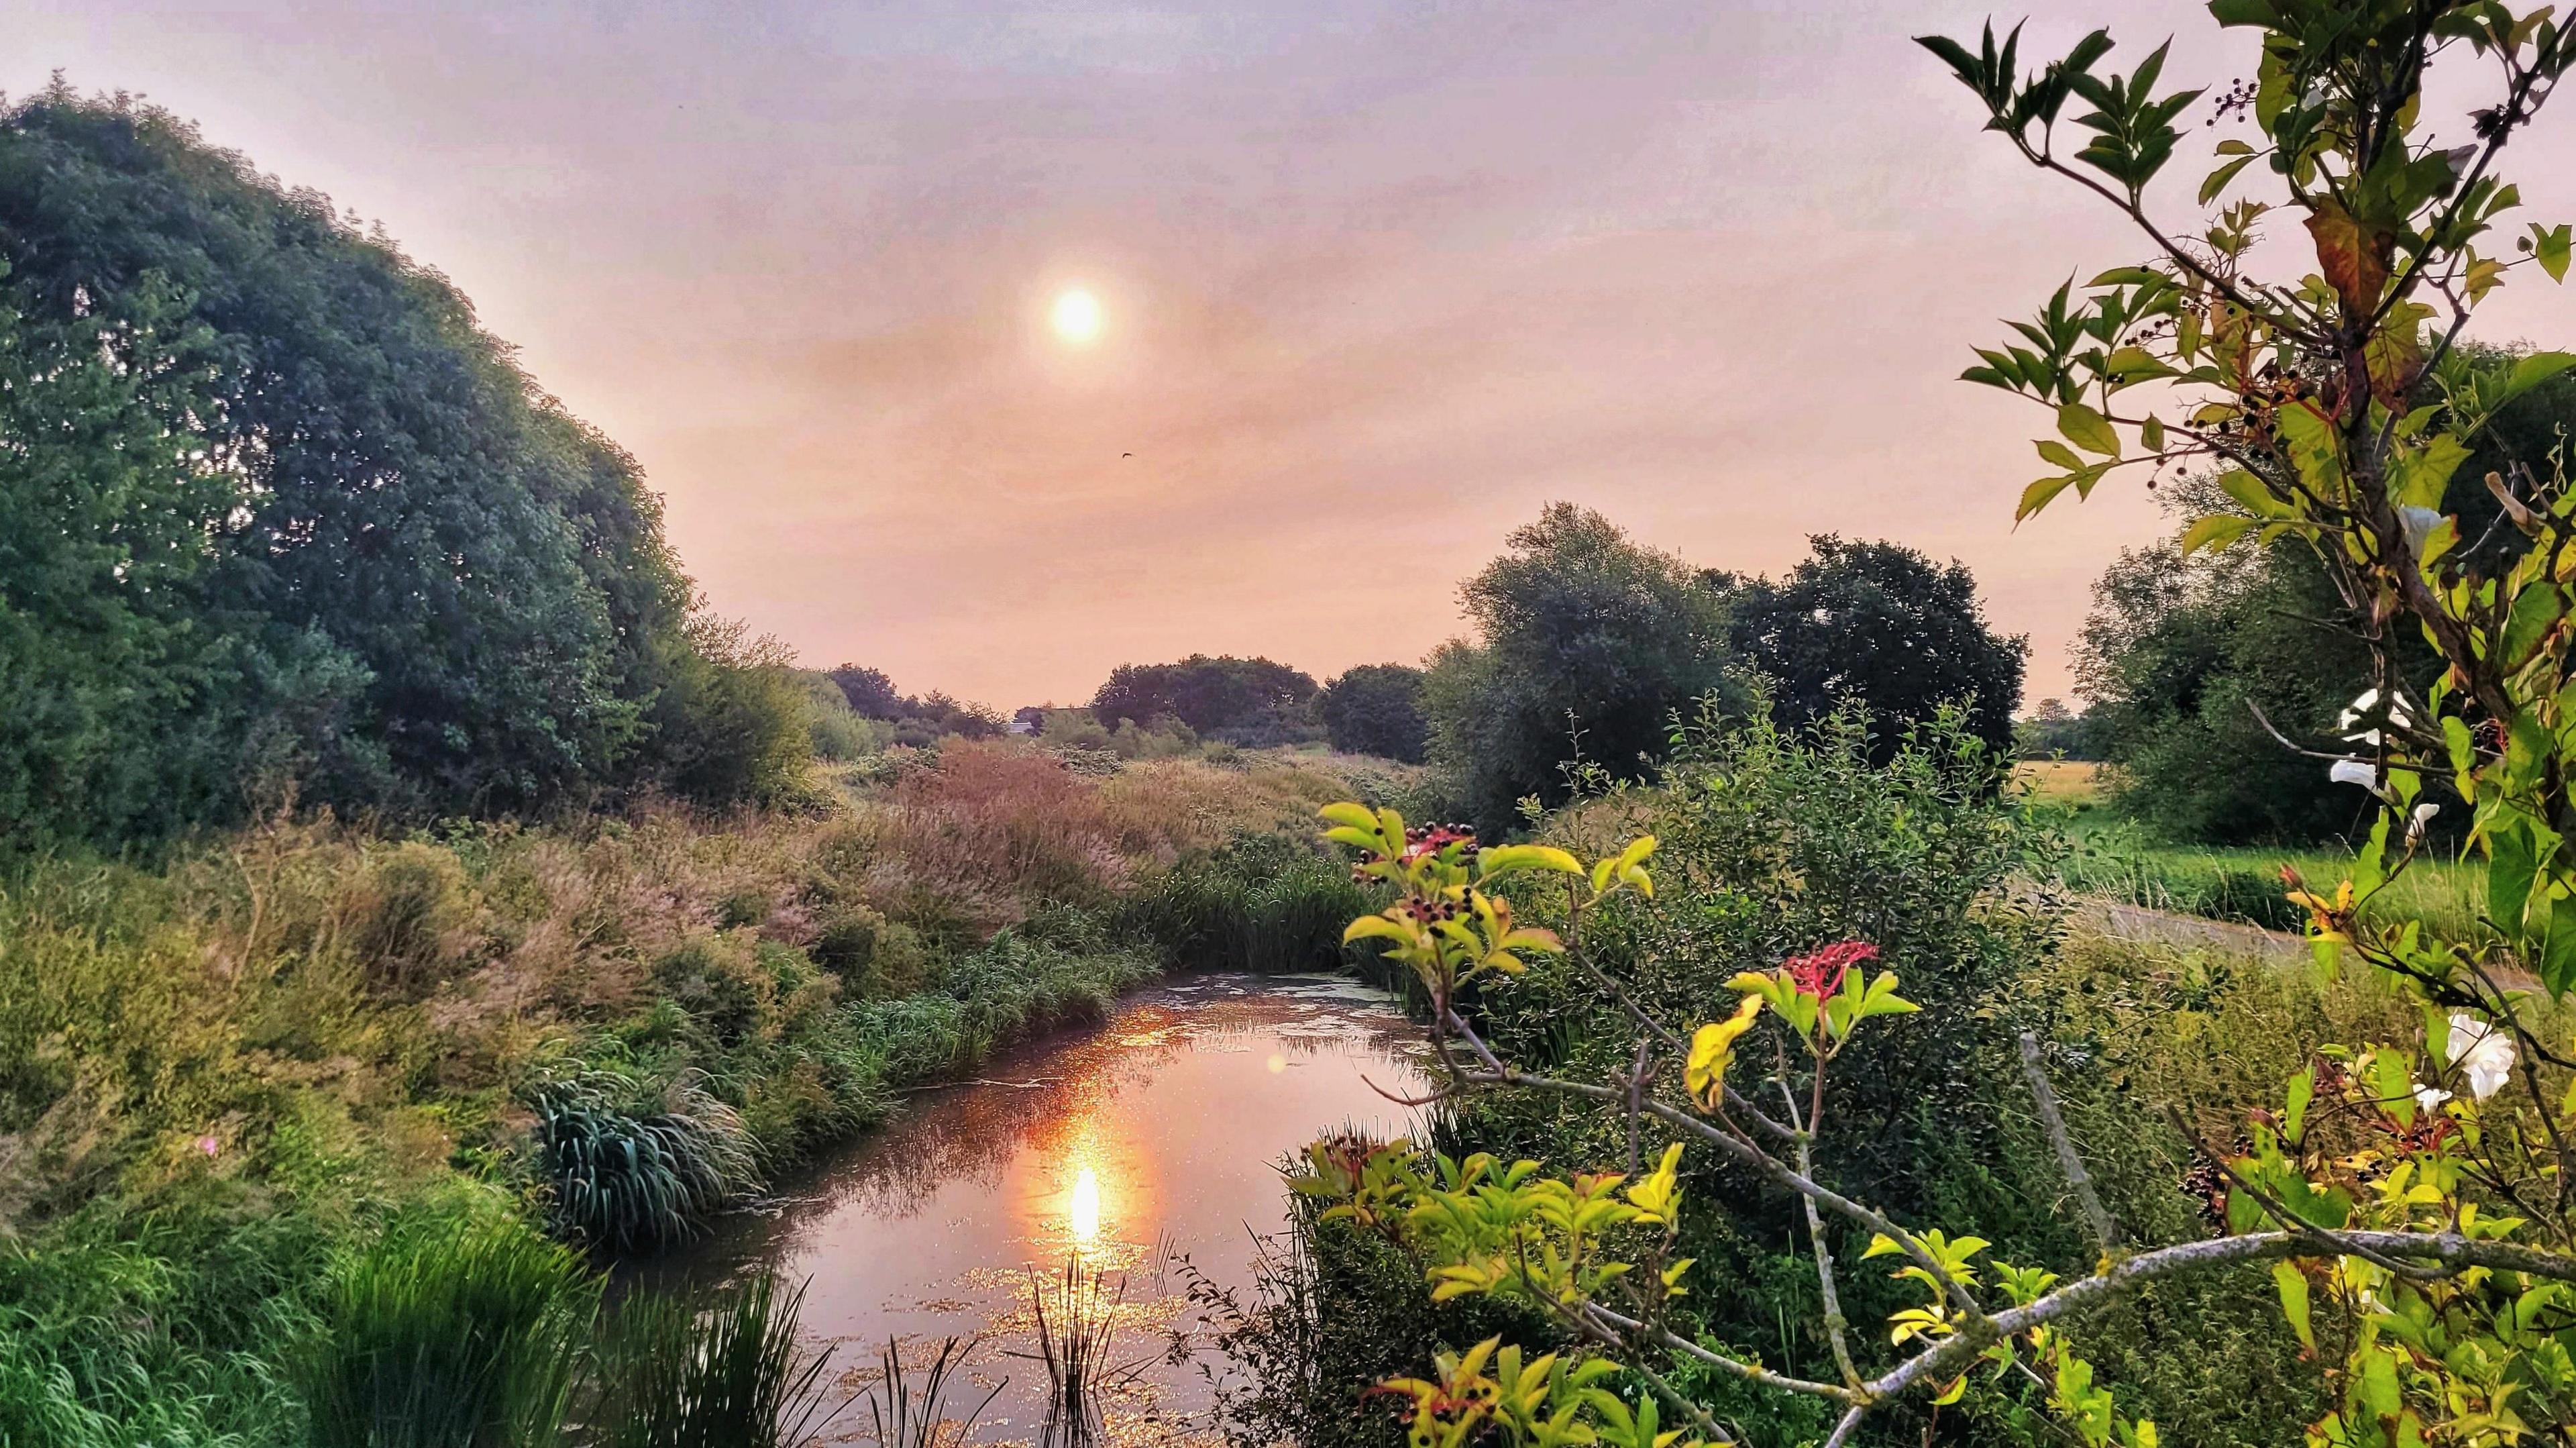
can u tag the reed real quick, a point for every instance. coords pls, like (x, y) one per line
(1077, 1332)
(722, 1372)
(907, 1413)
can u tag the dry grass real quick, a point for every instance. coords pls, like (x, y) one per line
(310, 965)
(2067, 783)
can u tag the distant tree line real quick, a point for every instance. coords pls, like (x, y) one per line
(916, 721)
(280, 515)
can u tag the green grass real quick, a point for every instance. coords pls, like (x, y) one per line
(453, 1336)
(721, 1373)
(2114, 860)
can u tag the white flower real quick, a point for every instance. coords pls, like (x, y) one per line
(2429, 1097)
(2418, 525)
(2482, 1051)
(2355, 771)
(2422, 816)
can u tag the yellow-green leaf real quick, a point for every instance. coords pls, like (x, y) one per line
(2088, 429)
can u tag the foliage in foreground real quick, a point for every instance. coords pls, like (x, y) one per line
(2407, 1194)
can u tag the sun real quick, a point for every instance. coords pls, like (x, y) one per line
(1077, 317)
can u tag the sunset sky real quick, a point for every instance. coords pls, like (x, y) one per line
(1375, 281)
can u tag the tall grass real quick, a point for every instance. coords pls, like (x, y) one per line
(1077, 1334)
(627, 1176)
(723, 1373)
(452, 1336)
(2119, 862)
(909, 1412)
(1269, 905)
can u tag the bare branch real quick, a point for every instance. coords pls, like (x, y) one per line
(2106, 1232)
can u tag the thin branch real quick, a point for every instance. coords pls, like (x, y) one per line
(2106, 1231)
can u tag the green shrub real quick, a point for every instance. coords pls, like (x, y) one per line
(1265, 904)
(630, 1169)
(725, 1372)
(452, 1335)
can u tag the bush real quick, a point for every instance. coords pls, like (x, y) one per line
(630, 1168)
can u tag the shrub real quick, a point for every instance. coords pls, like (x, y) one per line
(630, 1168)
(452, 1336)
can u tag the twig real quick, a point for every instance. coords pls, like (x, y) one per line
(2106, 1232)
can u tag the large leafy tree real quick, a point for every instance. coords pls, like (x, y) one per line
(1376, 709)
(1882, 624)
(410, 580)
(1588, 644)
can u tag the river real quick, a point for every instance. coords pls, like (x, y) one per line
(1153, 1136)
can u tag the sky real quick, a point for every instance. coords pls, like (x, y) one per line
(1377, 280)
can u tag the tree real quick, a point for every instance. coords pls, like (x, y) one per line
(412, 550)
(2179, 653)
(2052, 729)
(1376, 709)
(1878, 622)
(871, 694)
(1587, 645)
(1220, 697)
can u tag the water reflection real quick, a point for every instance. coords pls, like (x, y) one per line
(1156, 1133)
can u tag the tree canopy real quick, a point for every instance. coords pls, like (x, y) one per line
(1214, 696)
(1376, 709)
(300, 519)
(1882, 624)
(1587, 644)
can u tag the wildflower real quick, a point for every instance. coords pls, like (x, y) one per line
(2481, 1050)
(1820, 973)
(210, 1145)
(2355, 771)
(2428, 1097)
(2422, 816)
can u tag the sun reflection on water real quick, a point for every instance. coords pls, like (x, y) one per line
(1082, 1207)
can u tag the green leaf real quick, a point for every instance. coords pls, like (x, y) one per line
(2422, 475)
(2294, 1301)
(2152, 433)
(2040, 494)
(2531, 371)
(2257, 499)
(2217, 180)
(2550, 246)
(2558, 957)
(1505, 858)
(2088, 429)
(2054, 452)
(2510, 865)
(2215, 532)
(2303, 1089)
(2539, 605)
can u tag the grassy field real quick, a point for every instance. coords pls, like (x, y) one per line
(2111, 858)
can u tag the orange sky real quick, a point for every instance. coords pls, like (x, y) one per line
(1379, 279)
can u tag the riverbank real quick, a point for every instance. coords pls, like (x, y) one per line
(228, 1076)
(1145, 1148)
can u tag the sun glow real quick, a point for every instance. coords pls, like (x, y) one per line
(1082, 1207)
(1077, 317)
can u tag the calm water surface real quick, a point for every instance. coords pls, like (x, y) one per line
(1157, 1133)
